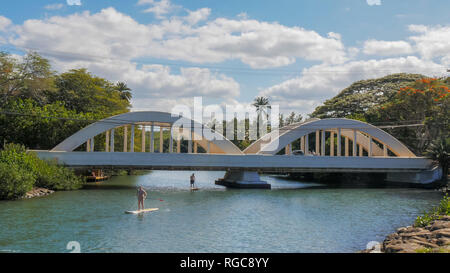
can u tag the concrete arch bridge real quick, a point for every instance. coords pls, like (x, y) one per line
(328, 145)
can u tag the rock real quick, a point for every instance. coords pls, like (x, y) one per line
(439, 224)
(443, 241)
(445, 232)
(422, 242)
(37, 192)
(402, 229)
(423, 233)
(402, 248)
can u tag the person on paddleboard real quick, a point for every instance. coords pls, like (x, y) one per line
(192, 181)
(142, 195)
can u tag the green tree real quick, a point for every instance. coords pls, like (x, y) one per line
(439, 151)
(261, 104)
(360, 96)
(124, 91)
(83, 92)
(293, 118)
(30, 78)
(40, 127)
(425, 102)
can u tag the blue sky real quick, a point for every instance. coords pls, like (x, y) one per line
(298, 53)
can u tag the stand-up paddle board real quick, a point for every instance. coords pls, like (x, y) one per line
(194, 189)
(140, 211)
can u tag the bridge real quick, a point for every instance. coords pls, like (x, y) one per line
(340, 145)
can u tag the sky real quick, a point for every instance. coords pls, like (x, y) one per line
(296, 53)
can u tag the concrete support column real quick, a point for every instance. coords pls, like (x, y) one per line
(88, 145)
(317, 143)
(307, 144)
(179, 141)
(171, 140)
(190, 140)
(286, 149)
(331, 143)
(339, 142)
(195, 147)
(360, 150)
(322, 149)
(125, 138)
(143, 139)
(385, 151)
(346, 146)
(92, 144)
(152, 139)
(132, 139)
(370, 145)
(107, 141)
(111, 146)
(161, 140)
(302, 144)
(354, 142)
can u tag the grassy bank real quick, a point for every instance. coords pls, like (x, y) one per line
(21, 171)
(435, 214)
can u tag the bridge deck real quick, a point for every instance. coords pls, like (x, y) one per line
(278, 163)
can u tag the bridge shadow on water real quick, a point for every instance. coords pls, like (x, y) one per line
(346, 181)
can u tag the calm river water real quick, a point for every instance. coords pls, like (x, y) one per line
(292, 217)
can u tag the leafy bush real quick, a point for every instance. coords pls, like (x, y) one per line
(20, 171)
(54, 177)
(14, 181)
(435, 213)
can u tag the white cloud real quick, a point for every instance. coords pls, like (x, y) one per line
(334, 35)
(431, 41)
(387, 48)
(160, 9)
(243, 15)
(154, 86)
(197, 16)
(74, 2)
(54, 6)
(4, 23)
(111, 34)
(373, 2)
(321, 82)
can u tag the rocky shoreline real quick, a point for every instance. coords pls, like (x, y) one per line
(435, 237)
(37, 192)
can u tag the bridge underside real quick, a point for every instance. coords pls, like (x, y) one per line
(221, 162)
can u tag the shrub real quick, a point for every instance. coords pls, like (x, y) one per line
(20, 171)
(435, 213)
(14, 181)
(51, 176)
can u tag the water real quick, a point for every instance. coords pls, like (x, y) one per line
(292, 217)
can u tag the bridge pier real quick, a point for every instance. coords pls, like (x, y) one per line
(242, 180)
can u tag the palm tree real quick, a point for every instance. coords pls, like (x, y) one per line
(261, 104)
(439, 151)
(124, 90)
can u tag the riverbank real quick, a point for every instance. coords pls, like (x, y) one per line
(433, 238)
(37, 192)
(23, 174)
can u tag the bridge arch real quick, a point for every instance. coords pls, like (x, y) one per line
(348, 129)
(219, 144)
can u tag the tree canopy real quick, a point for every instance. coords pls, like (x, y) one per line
(39, 107)
(363, 95)
(397, 99)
